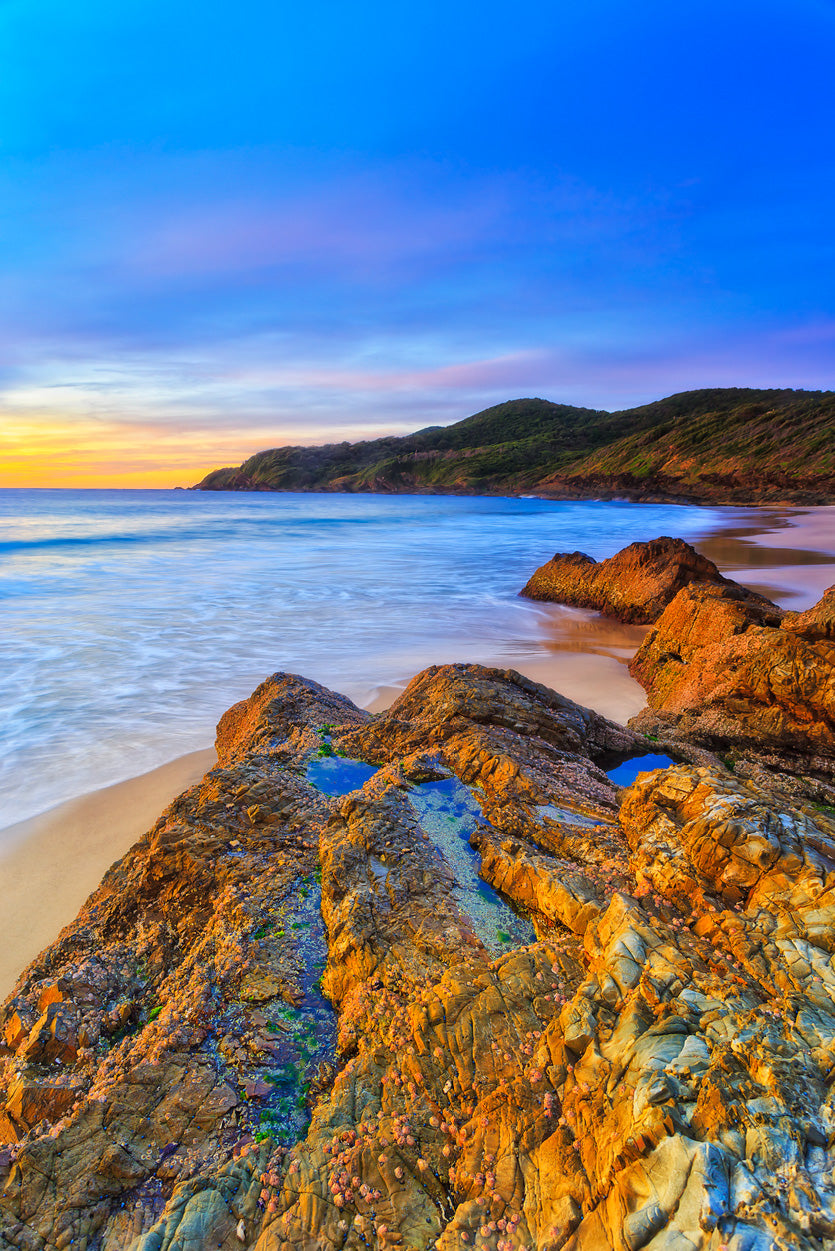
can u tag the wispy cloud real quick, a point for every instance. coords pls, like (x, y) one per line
(222, 242)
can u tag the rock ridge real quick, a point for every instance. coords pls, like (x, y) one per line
(275, 1024)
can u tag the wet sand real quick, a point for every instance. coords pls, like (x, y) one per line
(786, 554)
(55, 860)
(52, 862)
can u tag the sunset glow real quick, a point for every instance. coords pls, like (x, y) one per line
(312, 224)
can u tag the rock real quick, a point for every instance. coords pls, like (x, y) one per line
(498, 730)
(54, 1036)
(726, 672)
(18, 1018)
(636, 585)
(257, 1089)
(816, 624)
(259, 985)
(53, 992)
(279, 709)
(29, 1102)
(653, 1069)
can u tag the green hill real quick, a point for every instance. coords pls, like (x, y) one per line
(732, 444)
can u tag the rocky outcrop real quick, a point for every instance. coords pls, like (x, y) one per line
(817, 624)
(732, 674)
(723, 667)
(649, 1067)
(278, 716)
(636, 585)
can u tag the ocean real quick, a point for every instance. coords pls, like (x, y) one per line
(132, 619)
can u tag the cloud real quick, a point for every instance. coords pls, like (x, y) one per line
(217, 302)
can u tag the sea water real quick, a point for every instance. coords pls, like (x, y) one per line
(130, 620)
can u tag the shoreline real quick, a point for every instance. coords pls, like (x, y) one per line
(792, 561)
(57, 858)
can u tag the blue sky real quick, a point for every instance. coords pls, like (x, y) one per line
(224, 227)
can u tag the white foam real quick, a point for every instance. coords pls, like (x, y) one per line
(132, 620)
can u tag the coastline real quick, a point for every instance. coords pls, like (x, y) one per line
(56, 859)
(791, 560)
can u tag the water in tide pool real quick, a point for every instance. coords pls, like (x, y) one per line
(448, 813)
(335, 775)
(132, 619)
(626, 773)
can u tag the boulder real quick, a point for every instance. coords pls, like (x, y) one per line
(283, 706)
(636, 585)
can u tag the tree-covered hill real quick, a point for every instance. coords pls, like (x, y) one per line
(732, 444)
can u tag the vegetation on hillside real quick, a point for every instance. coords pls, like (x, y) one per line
(719, 444)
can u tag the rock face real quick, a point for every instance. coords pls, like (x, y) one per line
(730, 673)
(636, 585)
(649, 1066)
(817, 624)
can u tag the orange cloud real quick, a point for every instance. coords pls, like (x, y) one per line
(45, 451)
(52, 451)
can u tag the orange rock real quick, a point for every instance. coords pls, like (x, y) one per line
(648, 1071)
(636, 585)
(724, 671)
(54, 1036)
(283, 705)
(18, 1020)
(31, 1101)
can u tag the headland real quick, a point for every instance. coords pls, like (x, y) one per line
(733, 445)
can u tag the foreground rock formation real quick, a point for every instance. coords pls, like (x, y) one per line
(649, 1065)
(635, 585)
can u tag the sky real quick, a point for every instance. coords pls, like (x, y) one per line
(225, 227)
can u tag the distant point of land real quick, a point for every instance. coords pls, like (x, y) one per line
(728, 445)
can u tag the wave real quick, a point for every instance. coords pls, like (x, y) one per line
(129, 627)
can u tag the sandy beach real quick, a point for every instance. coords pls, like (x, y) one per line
(811, 530)
(52, 862)
(786, 554)
(55, 860)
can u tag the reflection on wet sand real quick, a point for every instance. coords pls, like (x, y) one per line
(731, 552)
(581, 630)
(794, 577)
